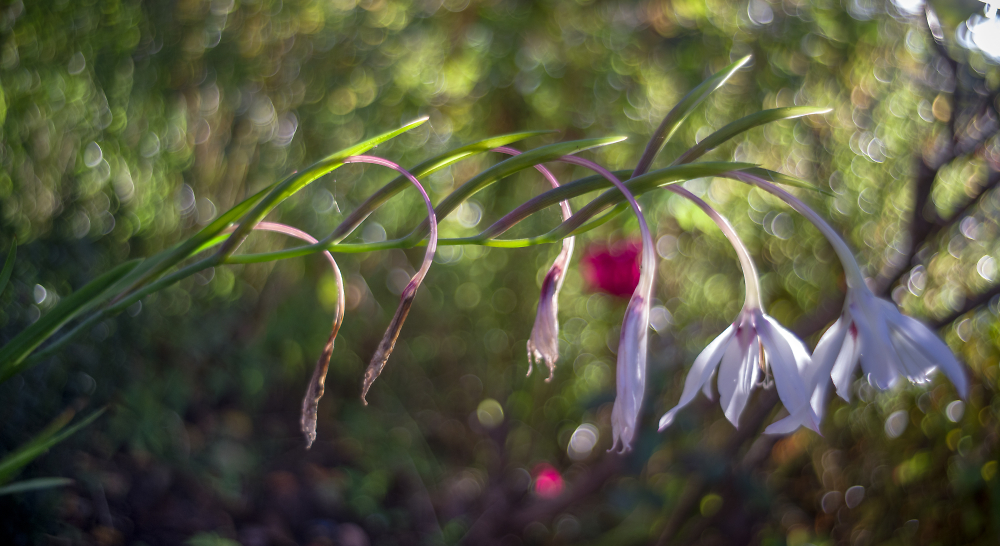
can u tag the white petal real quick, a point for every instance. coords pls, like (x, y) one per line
(787, 355)
(700, 373)
(847, 362)
(823, 358)
(933, 349)
(630, 375)
(738, 373)
(879, 360)
(706, 389)
(804, 417)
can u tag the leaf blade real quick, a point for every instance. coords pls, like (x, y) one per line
(48, 437)
(34, 484)
(16, 350)
(745, 124)
(8, 266)
(291, 185)
(681, 111)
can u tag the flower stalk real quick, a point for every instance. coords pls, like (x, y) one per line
(543, 345)
(388, 341)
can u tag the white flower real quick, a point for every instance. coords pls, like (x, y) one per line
(630, 373)
(887, 344)
(870, 330)
(737, 355)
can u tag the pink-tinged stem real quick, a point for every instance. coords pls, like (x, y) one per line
(750, 277)
(317, 384)
(406, 298)
(630, 374)
(543, 345)
(852, 271)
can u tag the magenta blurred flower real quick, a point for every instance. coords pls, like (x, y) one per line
(613, 270)
(548, 481)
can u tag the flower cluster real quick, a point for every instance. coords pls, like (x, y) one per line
(870, 332)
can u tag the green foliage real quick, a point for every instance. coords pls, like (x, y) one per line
(13, 462)
(129, 130)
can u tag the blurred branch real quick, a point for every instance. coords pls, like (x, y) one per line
(970, 305)
(925, 223)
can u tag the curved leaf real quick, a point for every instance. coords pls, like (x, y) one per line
(289, 186)
(503, 169)
(8, 266)
(84, 299)
(48, 437)
(426, 168)
(745, 124)
(680, 112)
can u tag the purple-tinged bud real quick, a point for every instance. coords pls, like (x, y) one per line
(388, 342)
(543, 345)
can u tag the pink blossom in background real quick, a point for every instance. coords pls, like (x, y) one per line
(548, 481)
(612, 269)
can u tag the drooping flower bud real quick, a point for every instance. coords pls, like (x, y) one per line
(317, 384)
(543, 345)
(388, 342)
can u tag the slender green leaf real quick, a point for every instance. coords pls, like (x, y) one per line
(638, 185)
(426, 168)
(788, 180)
(84, 299)
(679, 113)
(289, 186)
(745, 124)
(503, 169)
(642, 184)
(50, 436)
(154, 266)
(34, 485)
(8, 266)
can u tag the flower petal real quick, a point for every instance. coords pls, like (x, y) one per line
(788, 358)
(847, 361)
(879, 360)
(804, 417)
(706, 389)
(738, 374)
(543, 345)
(932, 349)
(630, 375)
(823, 358)
(700, 373)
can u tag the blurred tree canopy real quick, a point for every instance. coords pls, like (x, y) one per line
(126, 125)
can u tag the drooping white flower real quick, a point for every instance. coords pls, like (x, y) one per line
(870, 331)
(630, 369)
(754, 343)
(736, 353)
(887, 344)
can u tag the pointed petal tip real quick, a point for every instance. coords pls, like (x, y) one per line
(666, 420)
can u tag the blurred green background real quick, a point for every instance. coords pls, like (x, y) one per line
(126, 125)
